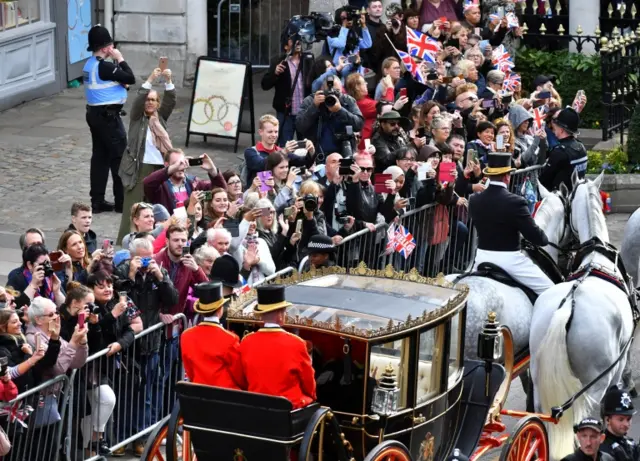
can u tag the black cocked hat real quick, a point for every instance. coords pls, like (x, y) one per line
(270, 298)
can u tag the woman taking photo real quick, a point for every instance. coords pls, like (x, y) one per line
(234, 188)
(25, 366)
(148, 141)
(34, 281)
(391, 67)
(282, 185)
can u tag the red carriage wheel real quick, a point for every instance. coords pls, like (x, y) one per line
(391, 450)
(153, 450)
(528, 442)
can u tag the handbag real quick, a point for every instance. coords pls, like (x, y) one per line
(5, 443)
(47, 411)
(440, 225)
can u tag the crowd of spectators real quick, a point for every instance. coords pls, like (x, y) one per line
(309, 183)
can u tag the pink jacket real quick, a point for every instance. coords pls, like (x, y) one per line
(69, 357)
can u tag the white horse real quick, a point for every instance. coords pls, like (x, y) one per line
(511, 305)
(562, 363)
(630, 249)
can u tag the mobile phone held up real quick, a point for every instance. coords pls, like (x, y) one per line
(163, 63)
(403, 92)
(81, 318)
(196, 161)
(345, 167)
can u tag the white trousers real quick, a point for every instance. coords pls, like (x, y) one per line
(518, 266)
(103, 401)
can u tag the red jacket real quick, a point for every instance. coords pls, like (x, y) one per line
(211, 356)
(182, 279)
(156, 187)
(277, 363)
(367, 106)
(8, 391)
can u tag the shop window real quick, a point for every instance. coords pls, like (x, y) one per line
(20, 13)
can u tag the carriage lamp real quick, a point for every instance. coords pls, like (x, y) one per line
(490, 340)
(386, 394)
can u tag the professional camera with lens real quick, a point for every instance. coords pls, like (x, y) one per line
(310, 202)
(353, 13)
(347, 141)
(342, 217)
(48, 270)
(310, 29)
(331, 94)
(93, 308)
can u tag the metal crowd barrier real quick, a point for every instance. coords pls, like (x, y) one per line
(34, 421)
(123, 397)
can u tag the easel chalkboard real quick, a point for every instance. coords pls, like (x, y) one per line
(222, 93)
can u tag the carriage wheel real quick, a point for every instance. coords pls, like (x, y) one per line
(178, 446)
(528, 441)
(392, 450)
(323, 436)
(153, 449)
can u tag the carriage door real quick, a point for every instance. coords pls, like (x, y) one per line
(428, 434)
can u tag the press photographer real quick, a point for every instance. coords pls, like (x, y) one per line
(353, 36)
(325, 118)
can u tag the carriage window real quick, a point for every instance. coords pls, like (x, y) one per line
(454, 350)
(395, 353)
(429, 363)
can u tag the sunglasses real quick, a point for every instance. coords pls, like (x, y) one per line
(142, 206)
(366, 169)
(393, 123)
(152, 100)
(231, 183)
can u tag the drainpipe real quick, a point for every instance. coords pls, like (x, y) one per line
(108, 16)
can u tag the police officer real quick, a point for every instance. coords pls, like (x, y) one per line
(590, 436)
(106, 92)
(568, 156)
(618, 410)
(500, 217)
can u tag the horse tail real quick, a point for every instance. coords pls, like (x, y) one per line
(556, 382)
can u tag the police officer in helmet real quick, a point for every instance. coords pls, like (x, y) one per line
(568, 156)
(105, 89)
(590, 437)
(618, 410)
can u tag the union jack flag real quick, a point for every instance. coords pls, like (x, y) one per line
(511, 82)
(538, 117)
(391, 240)
(405, 243)
(407, 60)
(501, 59)
(470, 4)
(422, 46)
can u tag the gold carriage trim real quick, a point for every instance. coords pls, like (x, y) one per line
(237, 306)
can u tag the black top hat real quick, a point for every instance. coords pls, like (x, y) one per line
(617, 402)
(226, 270)
(321, 244)
(568, 119)
(498, 163)
(98, 37)
(588, 423)
(393, 115)
(209, 296)
(270, 298)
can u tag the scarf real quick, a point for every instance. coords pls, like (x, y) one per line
(160, 136)
(46, 286)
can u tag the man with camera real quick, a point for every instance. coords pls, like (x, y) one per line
(171, 184)
(500, 105)
(329, 118)
(351, 38)
(149, 287)
(334, 204)
(389, 137)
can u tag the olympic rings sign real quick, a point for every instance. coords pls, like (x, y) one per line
(216, 110)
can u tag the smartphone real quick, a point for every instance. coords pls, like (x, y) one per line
(264, 177)
(500, 142)
(345, 167)
(233, 228)
(379, 183)
(446, 170)
(81, 316)
(421, 132)
(123, 296)
(352, 59)
(265, 211)
(477, 31)
(299, 226)
(506, 99)
(432, 76)
(302, 144)
(186, 250)
(443, 19)
(472, 157)
(447, 80)
(303, 170)
(367, 143)
(412, 201)
(38, 342)
(107, 244)
(403, 92)
(423, 170)
(500, 11)
(488, 103)
(289, 211)
(195, 161)
(453, 42)
(544, 95)
(54, 256)
(207, 196)
(162, 64)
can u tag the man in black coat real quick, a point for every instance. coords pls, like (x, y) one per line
(618, 410)
(500, 218)
(567, 157)
(590, 436)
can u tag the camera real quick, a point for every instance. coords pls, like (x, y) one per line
(310, 29)
(46, 267)
(353, 13)
(331, 94)
(93, 308)
(310, 202)
(395, 23)
(346, 139)
(342, 217)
